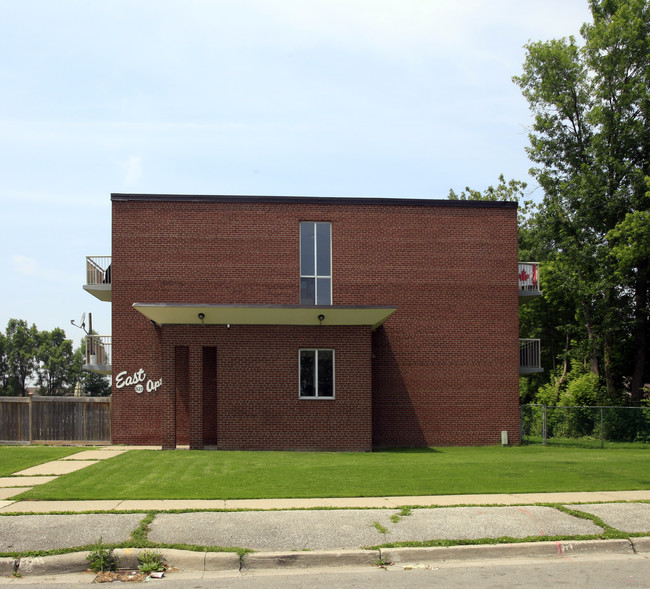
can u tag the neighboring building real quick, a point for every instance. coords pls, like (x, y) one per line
(300, 323)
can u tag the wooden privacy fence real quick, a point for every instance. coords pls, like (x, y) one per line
(27, 420)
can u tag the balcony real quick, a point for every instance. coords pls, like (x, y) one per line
(98, 277)
(528, 281)
(530, 356)
(98, 354)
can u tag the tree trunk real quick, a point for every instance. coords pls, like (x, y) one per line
(565, 369)
(593, 356)
(641, 330)
(607, 361)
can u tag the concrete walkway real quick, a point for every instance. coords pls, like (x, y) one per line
(299, 532)
(323, 503)
(26, 479)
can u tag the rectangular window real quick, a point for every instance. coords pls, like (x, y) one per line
(317, 373)
(315, 263)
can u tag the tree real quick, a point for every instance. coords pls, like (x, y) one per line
(92, 384)
(22, 345)
(630, 247)
(56, 363)
(512, 190)
(505, 191)
(95, 385)
(590, 145)
(47, 357)
(4, 365)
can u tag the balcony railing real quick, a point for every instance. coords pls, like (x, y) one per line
(98, 276)
(530, 356)
(98, 354)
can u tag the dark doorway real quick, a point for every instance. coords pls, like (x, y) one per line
(210, 396)
(182, 387)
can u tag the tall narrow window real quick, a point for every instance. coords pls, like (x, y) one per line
(315, 263)
(317, 373)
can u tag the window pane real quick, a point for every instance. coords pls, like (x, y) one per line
(325, 373)
(323, 250)
(307, 249)
(307, 291)
(324, 291)
(307, 370)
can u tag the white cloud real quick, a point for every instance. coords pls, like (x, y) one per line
(25, 265)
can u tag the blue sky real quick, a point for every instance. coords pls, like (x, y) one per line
(383, 98)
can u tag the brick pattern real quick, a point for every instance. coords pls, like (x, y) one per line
(443, 370)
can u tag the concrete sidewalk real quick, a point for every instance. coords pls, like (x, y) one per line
(322, 529)
(9, 506)
(310, 538)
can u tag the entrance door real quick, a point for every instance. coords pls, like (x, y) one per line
(182, 386)
(210, 396)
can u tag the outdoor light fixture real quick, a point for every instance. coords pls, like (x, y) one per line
(320, 318)
(202, 317)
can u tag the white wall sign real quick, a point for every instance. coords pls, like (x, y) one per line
(139, 379)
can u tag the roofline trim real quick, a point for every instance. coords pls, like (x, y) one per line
(311, 200)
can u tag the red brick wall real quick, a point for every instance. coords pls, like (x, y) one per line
(444, 367)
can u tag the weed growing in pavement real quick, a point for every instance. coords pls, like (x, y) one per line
(151, 562)
(404, 512)
(381, 529)
(101, 558)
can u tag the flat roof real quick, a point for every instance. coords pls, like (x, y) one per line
(315, 200)
(211, 314)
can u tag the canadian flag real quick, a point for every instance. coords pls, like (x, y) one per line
(525, 278)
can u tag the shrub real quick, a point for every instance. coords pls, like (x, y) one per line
(151, 562)
(101, 558)
(583, 390)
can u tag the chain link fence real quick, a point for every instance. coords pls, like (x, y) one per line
(544, 424)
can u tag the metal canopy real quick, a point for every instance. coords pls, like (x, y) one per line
(188, 314)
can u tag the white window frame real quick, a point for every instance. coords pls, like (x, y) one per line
(316, 275)
(316, 396)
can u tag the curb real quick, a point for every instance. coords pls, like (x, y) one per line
(524, 550)
(315, 558)
(641, 544)
(7, 566)
(200, 562)
(74, 562)
(184, 559)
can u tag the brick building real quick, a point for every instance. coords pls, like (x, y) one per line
(312, 323)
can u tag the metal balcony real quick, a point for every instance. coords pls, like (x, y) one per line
(98, 277)
(528, 281)
(98, 354)
(530, 356)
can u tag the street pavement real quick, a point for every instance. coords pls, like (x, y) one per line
(301, 533)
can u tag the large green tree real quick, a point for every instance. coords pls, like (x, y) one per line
(56, 370)
(22, 345)
(590, 146)
(29, 356)
(4, 364)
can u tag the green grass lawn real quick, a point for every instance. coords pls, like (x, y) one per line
(15, 458)
(586, 443)
(181, 474)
